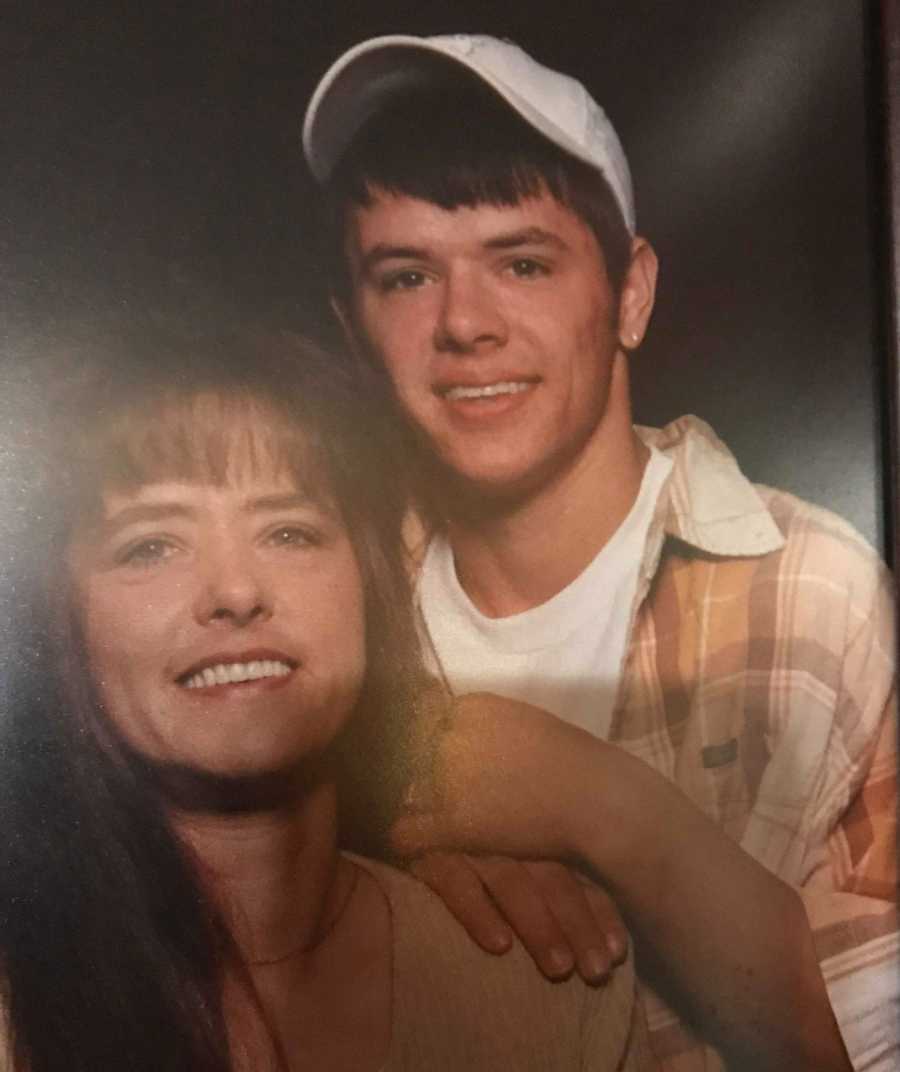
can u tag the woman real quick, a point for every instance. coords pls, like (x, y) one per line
(209, 646)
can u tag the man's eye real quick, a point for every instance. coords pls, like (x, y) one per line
(145, 552)
(408, 279)
(526, 268)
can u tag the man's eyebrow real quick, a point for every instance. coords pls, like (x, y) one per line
(527, 236)
(384, 252)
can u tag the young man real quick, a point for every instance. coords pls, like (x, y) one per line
(681, 626)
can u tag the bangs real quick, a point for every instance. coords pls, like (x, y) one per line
(212, 437)
(126, 406)
(465, 184)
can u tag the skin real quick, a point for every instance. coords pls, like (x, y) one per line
(178, 577)
(537, 482)
(173, 577)
(485, 295)
(732, 938)
(450, 300)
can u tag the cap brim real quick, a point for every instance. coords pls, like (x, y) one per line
(366, 77)
(357, 86)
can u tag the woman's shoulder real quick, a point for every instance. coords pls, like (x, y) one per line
(457, 1006)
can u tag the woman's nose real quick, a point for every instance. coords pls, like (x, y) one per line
(232, 590)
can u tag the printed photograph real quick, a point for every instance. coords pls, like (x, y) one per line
(447, 466)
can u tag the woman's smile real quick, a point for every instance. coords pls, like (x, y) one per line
(239, 601)
(250, 668)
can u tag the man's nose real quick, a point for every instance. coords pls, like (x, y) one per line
(469, 318)
(232, 590)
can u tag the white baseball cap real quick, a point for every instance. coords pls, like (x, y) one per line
(361, 82)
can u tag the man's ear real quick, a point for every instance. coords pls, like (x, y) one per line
(638, 294)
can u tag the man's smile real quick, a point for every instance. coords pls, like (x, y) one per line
(475, 403)
(488, 390)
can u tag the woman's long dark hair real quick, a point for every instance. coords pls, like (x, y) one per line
(112, 954)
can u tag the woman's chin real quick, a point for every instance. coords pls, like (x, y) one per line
(236, 786)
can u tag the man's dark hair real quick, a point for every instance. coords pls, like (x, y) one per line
(462, 147)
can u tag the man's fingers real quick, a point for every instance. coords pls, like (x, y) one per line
(609, 919)
(452, 878)
(587, 917)
(522, 902)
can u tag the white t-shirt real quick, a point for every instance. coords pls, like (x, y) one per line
(564, 655)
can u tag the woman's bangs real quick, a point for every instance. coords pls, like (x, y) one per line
(210, 437)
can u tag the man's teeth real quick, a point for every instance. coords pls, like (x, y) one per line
(508, 387)
(233, 673)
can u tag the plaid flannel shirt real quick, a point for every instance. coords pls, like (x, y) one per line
(760, 679)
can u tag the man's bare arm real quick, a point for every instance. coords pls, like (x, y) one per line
(732, 938)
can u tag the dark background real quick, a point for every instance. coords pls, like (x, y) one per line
(150, 154)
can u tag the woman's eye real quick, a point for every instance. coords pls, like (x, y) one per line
(145, 552)
(526, 268)
(293, 536)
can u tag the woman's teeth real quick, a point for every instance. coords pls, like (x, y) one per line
(488, 391)
(233, 673)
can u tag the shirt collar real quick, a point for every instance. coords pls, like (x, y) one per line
(708, 502)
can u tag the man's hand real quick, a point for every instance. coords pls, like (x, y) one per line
(563, 921)
(497, 776)
(732, 938)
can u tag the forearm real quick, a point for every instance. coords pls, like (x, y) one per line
(730, 939)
